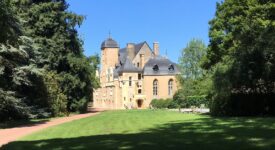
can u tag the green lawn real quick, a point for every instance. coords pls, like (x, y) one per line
(149, 129)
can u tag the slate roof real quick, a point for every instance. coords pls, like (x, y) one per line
(122, 55)
(109, 43)
(128, 66)
(138, 47)
(125, 64)
(123, 51)
(163, 64)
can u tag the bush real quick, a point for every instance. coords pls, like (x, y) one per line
(197, 101)
(172, 104)
(56, 100)
(161, 103)
(242, 104)
(257, 98)
(181, 101)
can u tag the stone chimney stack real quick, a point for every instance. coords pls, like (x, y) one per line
(131, 50)
(142, 60)
(156, 48)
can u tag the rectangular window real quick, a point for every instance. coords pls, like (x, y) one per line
(155, 87)
(111, 92)
(155, 91)
(130, 81)
(170, 87)
(139, 76)
(139, 91)
(108, 74)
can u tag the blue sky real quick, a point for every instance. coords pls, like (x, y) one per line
(172, 23)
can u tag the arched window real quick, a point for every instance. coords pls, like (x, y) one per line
(155, 87)
(170, 87)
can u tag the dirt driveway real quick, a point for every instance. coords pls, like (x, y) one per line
(12, 134)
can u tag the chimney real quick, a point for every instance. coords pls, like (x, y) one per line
(142, 60)
(131, 50)
(156, 48)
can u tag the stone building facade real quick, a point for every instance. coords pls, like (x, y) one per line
(132, 76)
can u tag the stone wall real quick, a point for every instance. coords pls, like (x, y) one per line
(162, 87)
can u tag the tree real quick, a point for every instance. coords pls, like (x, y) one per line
(241, 51)
(190, 59)
(194, 80)
(9, 27)
(18, 72)
(53, 29)
(43, 71)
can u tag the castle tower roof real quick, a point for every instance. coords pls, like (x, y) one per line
(109, 43)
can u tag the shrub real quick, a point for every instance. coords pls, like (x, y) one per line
(197, 101)
(161, 103)
(181, 101)
(171, 103)
(56, 100)
(242, 104)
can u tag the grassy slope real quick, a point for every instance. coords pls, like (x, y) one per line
(153, 130)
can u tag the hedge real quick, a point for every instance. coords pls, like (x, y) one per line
(196, 101)
(162, 103)
(243, 104)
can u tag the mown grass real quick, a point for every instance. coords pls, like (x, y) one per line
(150, 129)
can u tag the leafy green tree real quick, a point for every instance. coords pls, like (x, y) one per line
(190, 59)
(194, 80)
(53, 29)
(192, 76)
(241, 51)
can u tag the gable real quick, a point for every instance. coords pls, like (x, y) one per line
(140, 48)
(146, 50)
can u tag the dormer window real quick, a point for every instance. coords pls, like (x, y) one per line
(171, 68)
(156, 68)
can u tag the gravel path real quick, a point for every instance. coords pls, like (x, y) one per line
(12, 134)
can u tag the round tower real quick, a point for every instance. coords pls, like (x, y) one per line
(109, 55)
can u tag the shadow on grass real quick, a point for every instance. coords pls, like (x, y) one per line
(22, 123)
(35, 122)
(204, 133)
